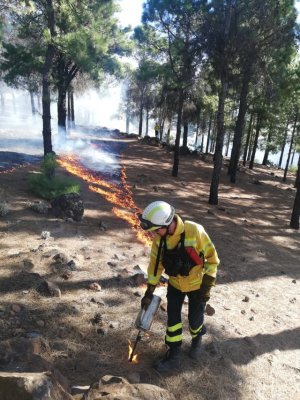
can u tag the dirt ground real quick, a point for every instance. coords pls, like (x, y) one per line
(252, 348)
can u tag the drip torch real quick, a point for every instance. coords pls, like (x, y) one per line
(144, 320)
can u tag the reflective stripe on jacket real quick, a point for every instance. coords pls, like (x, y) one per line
(196, 237)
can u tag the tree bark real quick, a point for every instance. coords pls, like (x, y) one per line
(47, 67)
(61, 109)
(218, 157)
(257, 131)
(141, 118)
(178, 133)
(294, 223)
(208, 133)
(283, 143)
(267, 151)
(248, 139)
(239, 128)
(185, 135)
(291, 146)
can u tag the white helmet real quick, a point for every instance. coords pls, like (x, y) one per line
(156, 215)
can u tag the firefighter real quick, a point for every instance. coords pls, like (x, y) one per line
(184, 251)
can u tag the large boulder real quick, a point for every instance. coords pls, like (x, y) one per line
(31, 386)
(68, 205)
(115, 387)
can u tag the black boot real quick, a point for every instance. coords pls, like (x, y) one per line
(195, 349)
(170, 362)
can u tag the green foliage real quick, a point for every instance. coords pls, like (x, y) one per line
(46, 185)
(293, 168)
(48, 165)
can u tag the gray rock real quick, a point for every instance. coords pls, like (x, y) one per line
(31, 386)
(45, 235)
(110, 387)
(68, 205)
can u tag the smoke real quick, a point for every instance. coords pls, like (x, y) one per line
(21, 132)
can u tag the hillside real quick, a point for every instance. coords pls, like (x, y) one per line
(252, 348)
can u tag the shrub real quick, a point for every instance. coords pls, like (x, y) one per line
(46, 185)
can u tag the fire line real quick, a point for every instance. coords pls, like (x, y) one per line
(119, 195)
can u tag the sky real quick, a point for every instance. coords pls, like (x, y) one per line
(131, 12)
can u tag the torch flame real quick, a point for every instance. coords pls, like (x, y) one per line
(130, 349)
(119, 195)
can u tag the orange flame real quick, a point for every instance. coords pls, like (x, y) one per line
(135, 357)
(118, 195)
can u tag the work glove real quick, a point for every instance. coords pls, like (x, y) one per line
(148, 296)
(207, 283)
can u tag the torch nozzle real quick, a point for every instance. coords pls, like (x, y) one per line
(138, 338)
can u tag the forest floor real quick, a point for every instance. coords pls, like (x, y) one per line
(252, 348)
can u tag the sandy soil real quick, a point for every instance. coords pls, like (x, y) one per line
(252, 348)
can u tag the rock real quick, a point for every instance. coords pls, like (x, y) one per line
(45, 235)
(68, 205)
(13, 252)
(33, 335)
(40, 323)
(75, 390)
(257, 182)
(67, 275)
(114, 324)
(294, 281)
(112, 264)
(243, 312)
(209, 310)
(246, 299)
(31, 386)
(72, 265)
(28, 264)
(137, 294)
(39, 207)
(50, 253)
(102, 226)
(110, 387)
(49, 289)
(95, 286)
(103, 330)
(251, 318)
(16, 308)
(100, 302)
(60, 258)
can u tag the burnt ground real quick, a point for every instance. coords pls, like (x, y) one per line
(251, 350)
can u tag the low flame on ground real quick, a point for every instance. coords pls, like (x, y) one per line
(118, 195)
(130, 349)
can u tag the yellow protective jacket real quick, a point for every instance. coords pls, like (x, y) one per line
(196, 237)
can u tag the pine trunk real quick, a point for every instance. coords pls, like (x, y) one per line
(291, 147)
(267, 151)
(239, 128)
(218, 157)
(178, 134)
(185, 136)
(255, 142)
(61, 109)
(248, 140)
(46, 101)
(283, 144)
(294, 223)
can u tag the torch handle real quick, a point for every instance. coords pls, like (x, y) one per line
(138, 338)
